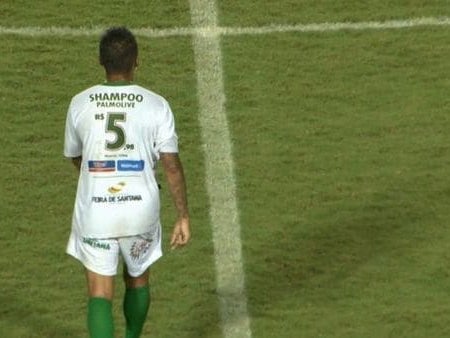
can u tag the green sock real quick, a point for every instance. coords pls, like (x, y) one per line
(100, 319)
(135, 307)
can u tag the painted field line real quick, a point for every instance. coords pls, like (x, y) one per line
(215, 30)
(220, 181)
(337, 26)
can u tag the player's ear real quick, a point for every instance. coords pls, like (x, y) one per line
(136, 63)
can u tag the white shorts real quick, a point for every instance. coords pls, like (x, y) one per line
(102, 255)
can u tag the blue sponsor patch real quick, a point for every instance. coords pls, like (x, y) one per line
(129, 165)
(102, 166)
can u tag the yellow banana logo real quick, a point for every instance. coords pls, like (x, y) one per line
(114, 189)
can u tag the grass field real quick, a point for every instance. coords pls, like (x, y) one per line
(340, 148)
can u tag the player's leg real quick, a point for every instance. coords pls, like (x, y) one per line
(136, 302)
(100, 258)
(99, 318)
(139, 252)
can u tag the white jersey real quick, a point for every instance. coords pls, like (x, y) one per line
(119, 130)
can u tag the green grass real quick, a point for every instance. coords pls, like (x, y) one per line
(342, 184)
(86, 13)
(341, 155)
(263, 12)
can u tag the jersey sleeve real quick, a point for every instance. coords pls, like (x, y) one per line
(72, 141)
(166, 138)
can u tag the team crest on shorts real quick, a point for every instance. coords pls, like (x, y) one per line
(139, 248)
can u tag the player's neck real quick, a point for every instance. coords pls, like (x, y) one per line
(128, 77)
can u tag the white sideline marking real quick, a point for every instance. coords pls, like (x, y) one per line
(215, 30)
(336, 26)
(220, 181)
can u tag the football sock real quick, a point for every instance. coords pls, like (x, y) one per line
(135, 307)
(100, 319)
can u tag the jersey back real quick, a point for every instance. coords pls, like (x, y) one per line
(119, 131)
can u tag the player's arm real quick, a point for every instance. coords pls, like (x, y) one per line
(173, 170)
(76, 162)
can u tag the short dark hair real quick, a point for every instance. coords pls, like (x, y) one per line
(118, 50)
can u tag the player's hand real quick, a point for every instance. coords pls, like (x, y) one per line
(180, 234)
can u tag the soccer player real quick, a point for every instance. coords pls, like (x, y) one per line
(115, 134)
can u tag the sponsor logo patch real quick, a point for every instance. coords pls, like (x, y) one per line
(96, 243)
(114, 189)
(102, 166)
(129, 165)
